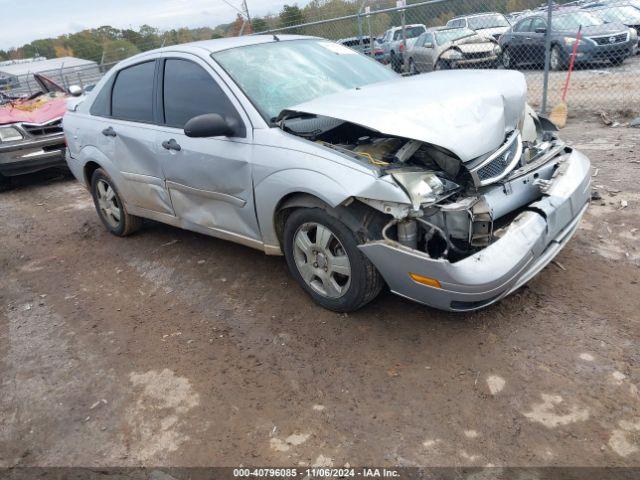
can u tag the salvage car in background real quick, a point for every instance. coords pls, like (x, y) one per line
(447, 48)
(447, 187)
(393, 46)
(363, 45)
(524, 44)
(487, 24)
(624, 14)
(31, 137)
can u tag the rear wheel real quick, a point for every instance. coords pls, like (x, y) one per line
(323, 256)
(109, 206)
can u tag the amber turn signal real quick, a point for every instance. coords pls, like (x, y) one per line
(431, 282)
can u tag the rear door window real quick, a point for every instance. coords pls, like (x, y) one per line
(132, 97)
(189, 90)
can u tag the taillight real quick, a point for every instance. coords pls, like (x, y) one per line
(402, 47)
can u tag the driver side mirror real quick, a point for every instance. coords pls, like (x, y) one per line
(208, 125)
(75, 90)
(541, 30)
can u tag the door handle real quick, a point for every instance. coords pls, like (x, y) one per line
(109, 132)
(171, 145)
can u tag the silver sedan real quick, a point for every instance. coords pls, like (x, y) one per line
(446, 188)
(448, 48)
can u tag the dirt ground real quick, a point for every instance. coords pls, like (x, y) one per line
(172, 348)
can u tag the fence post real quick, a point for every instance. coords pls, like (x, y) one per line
(547, 55)
(372, 43)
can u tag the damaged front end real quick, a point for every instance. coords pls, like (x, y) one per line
(472, 231)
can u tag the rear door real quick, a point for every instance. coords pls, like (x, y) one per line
(132, 132)
(209, 179)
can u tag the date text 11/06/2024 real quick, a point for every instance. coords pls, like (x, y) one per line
(315, 472)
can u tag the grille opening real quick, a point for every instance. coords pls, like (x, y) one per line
(50, 128)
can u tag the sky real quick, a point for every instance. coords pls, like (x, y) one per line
(27, 20)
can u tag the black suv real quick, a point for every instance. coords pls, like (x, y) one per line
(525, 42)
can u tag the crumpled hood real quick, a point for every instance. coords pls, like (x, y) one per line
(466, 112)
(41, 109)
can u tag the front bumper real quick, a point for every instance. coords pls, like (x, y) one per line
(32, 155)
(532, 240)
(601, 53)
(474, 62)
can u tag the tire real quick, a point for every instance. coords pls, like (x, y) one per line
(109, 206)
(508, 61)
(556, 62)
(413, 69)
(334, 272)
(396, 64)
(5, 183)
(617, 60)
(442, 65)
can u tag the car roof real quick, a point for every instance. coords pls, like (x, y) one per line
(220, 44)
(476, 15)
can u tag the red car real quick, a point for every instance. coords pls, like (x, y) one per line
(31, 137)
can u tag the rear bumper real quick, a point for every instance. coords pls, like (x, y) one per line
(532, 240)
(32, 155)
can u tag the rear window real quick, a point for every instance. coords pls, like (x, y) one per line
(132, 97)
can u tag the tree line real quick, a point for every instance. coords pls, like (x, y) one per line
(107, 44)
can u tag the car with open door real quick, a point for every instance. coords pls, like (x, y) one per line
(446, 188)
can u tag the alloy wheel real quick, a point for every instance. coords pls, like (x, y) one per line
(322, 260)
(108, 203)
(506, 59)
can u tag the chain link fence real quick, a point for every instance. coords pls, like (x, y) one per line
(85, 76)
(597, 40)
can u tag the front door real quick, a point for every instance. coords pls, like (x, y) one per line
(209, 179)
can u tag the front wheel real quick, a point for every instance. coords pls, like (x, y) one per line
(556, 60)
(109, 206)
(413, 69)
(5, 183)
(617, 60)
(442, 65)
(396, 62)
(507, 59)
(323, 256)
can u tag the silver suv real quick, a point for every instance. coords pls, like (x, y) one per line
(303, 147)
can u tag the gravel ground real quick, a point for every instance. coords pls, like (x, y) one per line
(172, 348)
